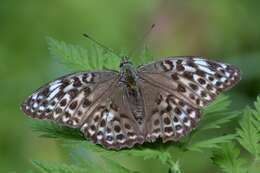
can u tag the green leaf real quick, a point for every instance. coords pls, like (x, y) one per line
(47, 167)
(85, 158)
(138, 151)
(76, 57)
(145, 57)
(210, 143)
(216, 120)
(227, 158)
(216, 114)
(249, 130)
(52, 130)
(222, 103)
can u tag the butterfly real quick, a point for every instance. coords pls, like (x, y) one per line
(161, 99)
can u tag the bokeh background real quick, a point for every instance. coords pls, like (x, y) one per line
(223, 29)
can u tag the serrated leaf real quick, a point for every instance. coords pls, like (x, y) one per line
(216, 120)
(52, 130)
(216, 115)
(145, 153)
(249, 130)
(227, 157)
(85, 158)
(76, 57)
(210, 143)
(222, 103)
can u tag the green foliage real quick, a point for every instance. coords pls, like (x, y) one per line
(76, 57)
(145, 57)
(52, 130)
(46, 167)
(228, 157)
(211, 143)
(214, 117)
(249, 130)
(225, 154)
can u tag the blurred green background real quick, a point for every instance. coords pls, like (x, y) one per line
(223, 29)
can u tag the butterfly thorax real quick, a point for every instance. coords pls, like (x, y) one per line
(128, 79)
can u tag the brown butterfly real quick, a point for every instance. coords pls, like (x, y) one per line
(135, 105)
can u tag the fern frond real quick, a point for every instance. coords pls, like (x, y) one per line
(216, 120)
(138, 151)
(216, 114)
(227, 157)
(249, 130)
(78, 58)
(85, 158)
(210, 143)
(222, 103)
(52, 130)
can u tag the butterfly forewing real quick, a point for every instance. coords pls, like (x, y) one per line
(198, 81)
(67, 99)
(181, 86)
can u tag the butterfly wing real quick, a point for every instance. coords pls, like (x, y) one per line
(66, 100)
(112, 123)
(181, 86)
(91, 101)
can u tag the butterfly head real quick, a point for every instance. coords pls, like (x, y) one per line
(127, 71)
(125, 61)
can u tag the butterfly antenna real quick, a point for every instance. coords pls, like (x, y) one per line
(142, 40)
(101, 45)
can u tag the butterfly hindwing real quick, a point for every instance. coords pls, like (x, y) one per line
(112, 124)
(166, 115)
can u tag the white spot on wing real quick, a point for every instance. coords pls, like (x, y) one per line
(53, 94)
(34, 96)
(201, 62)
(89, 78)
(190, 69)
(223, 79)
(110, 116)
(188, 123)
(192, 114)
(35, 105)
(41, 108)
(54, 85)
(69, 87)
(99, 137)
(223, 65)
(207, 70)
(182, 115)
(65, 119)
